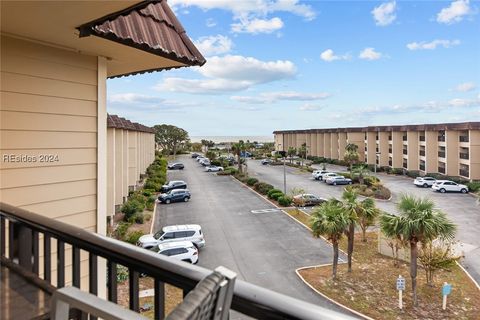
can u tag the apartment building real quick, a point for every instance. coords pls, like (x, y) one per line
(451, 149)
(130, 150)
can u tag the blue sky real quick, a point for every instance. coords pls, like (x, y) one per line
(287, 64)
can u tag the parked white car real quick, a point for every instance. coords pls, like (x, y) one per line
(449, 186)
(318, 174)
(181, 250)
(205, 162)
(425, 182)
(327, 175)
(186, 232)
(213, 168)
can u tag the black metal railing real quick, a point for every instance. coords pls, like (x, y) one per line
(464, 155)
(422, 167)
(422, 138)
(25, 229)
(441, 138)
(422, 153)
(405, 151)
(441, 170)
(404, 138)
(463, 139)
(464, 173)
(441, 154)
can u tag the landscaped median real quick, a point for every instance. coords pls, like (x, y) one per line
(370, 287)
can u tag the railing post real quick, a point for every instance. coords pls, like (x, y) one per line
(76, 267)
(47, 258)
(133, 290)
(35, 252)
(112, 281)
(11, 239)
(2, 236)
(92, 276)
(25, 247)
(159, 300)
(60, 264)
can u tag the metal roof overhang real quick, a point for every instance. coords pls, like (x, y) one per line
(54, 23)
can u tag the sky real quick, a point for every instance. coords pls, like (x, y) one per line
(288, 64)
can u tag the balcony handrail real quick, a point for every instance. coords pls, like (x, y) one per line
(248, 298)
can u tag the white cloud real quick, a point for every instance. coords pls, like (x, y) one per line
(231, 73)
(465, 87)
(127, 101)
(310, 107)
(214, 45)
(271, 97)
(132, 98)
(243, 8)
(210, 23)
(432, 44)
(384, 14)
(329, 56)
(256, 25)
(370, 54)
(455, 12)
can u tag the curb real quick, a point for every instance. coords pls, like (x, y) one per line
(468, 275)
(258, 194)
(325, 296)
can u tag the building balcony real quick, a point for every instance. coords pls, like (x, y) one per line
(27, 241)
(441, 170)
(404, 138)
(421, 138)
(421, 167)
(422, 153)
(463, 139)
(464, 173)
(463, 155)
(441, 154)
(441, 139)
(405, 151)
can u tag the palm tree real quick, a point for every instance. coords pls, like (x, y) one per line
(418, 222)
(367, 215)
(351, 155)
(361, 171)
(329, 220)
(351, 207)
(237, 148)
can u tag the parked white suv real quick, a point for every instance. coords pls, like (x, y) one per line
(181, 250)
(187, 232)
(425, 182)
(450, 186)
(327, 175)
(317, 174)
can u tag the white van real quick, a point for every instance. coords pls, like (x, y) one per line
(181, 250)
(186, 232)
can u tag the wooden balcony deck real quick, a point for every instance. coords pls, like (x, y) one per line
(20, 299)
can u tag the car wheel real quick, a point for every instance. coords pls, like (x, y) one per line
(334, 183)
(425, 185)
(167, 201)
(186, 199)
(349, 182)
(442, 190)
(464, 190)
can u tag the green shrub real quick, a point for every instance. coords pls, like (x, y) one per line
(284, 201)
(382, 192)
(122, 273)
(262, 187)
(150, 204)
(273, 191)
(139, 218)
(413, 173)
(473, 186)
(147, 216)
(251, 181)
(132, 237)
(147, 192)
(370, 180)
(276, 196)
(121, 229)
(131, 207)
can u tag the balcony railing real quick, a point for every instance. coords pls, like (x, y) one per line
(464, 173)
(464, 155)
(441, 154)
(441, 138)
(463, 139)
(404, 138)
(441, 170)
(25, 229)
(422, 153)
(422, 167)
(421, 138)
(405, 151)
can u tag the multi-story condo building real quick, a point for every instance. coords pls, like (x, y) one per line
(451, 149)
(130, 150)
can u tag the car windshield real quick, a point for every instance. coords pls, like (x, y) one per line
(154, 249)
(158, 234)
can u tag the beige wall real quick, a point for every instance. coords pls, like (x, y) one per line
(358, 138)
(452, 151)
(383, 148)
(342, 142)
(431, 151)
(371, 147)
(334, 145)
(474, 154)
(49, 103)
(413, 150)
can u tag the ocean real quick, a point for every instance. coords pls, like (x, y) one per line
(219, 139)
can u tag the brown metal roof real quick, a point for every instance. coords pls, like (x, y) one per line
(415, 127)
(149, 26)
(114, 121)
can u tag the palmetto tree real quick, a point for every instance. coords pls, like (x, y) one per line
(329, 220)
(351, 207)
(362, 171)
(367, 215)
(237, 148)
(351, 155)
(418, 222)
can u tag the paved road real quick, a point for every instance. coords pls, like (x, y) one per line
(461, 208)
(263, 248)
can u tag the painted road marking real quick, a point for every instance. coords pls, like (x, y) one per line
(264, 211)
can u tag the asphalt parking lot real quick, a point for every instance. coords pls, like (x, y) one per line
(460, 208)
(263, 248)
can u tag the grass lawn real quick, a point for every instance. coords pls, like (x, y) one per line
(370, 288)
(299, 215)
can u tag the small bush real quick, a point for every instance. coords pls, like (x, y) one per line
(132, 237)
(131, 207)
(121, 230)
(413, 173)
(382, 192)
(474, 186)
(370, 180)
(273, 191)
(147, 192)
(262, 187)
(139, 218)
(252, 181)
(276, 196)
(284, 201)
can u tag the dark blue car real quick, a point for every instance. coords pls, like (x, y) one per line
(176, 195)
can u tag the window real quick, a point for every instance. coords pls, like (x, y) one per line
(168, 235)
(167, 252)
(190, 233)
(180, 234)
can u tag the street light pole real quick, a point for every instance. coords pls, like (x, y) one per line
(284, 172)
